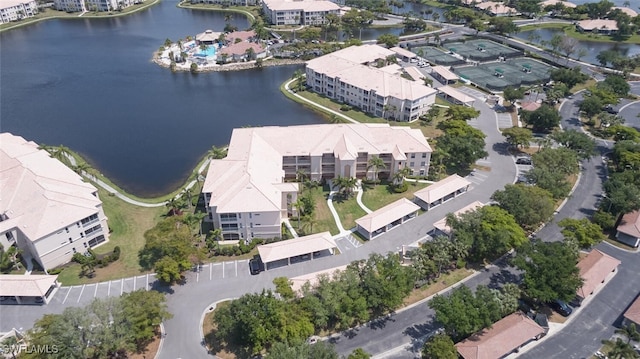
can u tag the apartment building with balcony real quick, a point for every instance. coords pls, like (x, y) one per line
(46, 209)
(362, 77)
(93, 5)
(227, 2)
(305, 12)
(250, 192)
(14, 10)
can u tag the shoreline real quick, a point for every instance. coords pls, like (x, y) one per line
(31, 21)
(569, 30)
(236, 66)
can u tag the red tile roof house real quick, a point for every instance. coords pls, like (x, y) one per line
(629, 229)
(238, 51)
(506, 336)
(632, 315)
(595, 269)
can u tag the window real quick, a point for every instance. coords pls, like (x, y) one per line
(66, 229)
(424, 155)
(93, 229)
(74, 250)
(95, 241)
(413, 155)
(91, 218)
(85, 244)
(422, 164)
(410, 164)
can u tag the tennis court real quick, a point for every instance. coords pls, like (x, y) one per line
(497, 76)
(481, 50)
(436, 56)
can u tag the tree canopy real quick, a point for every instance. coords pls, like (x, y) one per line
(529, 205)
(459, 112)
(439, 346)
(518, 136)
(544, 119)
(550, 270)
(580, 142)
(461, 139)
(582, 232)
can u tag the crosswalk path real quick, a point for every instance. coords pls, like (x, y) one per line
(347, 243)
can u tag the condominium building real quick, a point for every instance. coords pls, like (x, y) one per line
(227, 2)
(14, 10)
(249, 193)
(295, 12)
(93, 5)
(46, 209)
(361, 76)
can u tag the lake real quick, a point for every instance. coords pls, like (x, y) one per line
(593, 47)
(90, 85)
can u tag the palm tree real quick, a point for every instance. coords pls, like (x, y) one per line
(203, 47)
(217, 153)
(436, 17)
(399, 176)
(81, 167)
(216, 234)
(299, 205)
(620, 349)
(175, 205)
(188, 193)
(167, 42)
(251, 53)
(334, 119)
(228, 17)
(62, 154)
(630, 332)
(626, 3)
(301, 175)
(376, 163)
(298, 75)
(345, 185)
(309, 221)
(436, 37)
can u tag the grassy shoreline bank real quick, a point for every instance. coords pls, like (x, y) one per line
(570, 30)
(48, 14)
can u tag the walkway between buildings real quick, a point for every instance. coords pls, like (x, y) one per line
(359, 192)
(334, 213)
(290, 227)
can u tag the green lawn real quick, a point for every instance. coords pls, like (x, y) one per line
(128, 224)
(329, 103)
(571, 31)
(378, 196)
(251, 12)
(590, 82)
(324, 219)
(348, 210)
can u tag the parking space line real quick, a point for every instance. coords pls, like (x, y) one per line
(81, 291)
(210, 271)
(222, 270)
(236, 268)
(95, 293)
(197, 276)
(121, 286)
(65, 297)
(109, 290)
(147, 287)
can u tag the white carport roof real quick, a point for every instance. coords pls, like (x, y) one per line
(26, 285)
(402, 52)
(312, 278)
(387, 214)
(444, 72)
(452, 92)
(441, 225)
(297, 246)
(442, 188)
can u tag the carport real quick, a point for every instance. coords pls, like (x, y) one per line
(456, 97)
(441, 191)
(443, 75)
(27, 289)
(404, 55)
(386, 218)
(294, 250)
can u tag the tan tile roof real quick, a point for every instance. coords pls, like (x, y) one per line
(306, 5)
(403, 52)
(456, 94)
(598, 24)
(444, 72)
(594, 268)
(500, 9)
(442, 188)
(38, 193)
(242, 35)
(387, 214)
(26, 285)
(208, 35)
(441, 224)
(553, 2)
(297, 246)
(502, 338)
(630, 224)
(241, 48)
(626, 10)
(249, 178)
(531, 106)
(312, 278)
(415, 74)
(348, 65)
(633, 313)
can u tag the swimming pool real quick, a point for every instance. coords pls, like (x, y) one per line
(210, 51)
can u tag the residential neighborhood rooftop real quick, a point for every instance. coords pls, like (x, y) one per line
(504, 336)
(297, 246)
(39, 194)
(387, 214)
(633, 313)
(307, 5)
(34, 285)
(630, 224)
(594, 269)
(442, 188)
(456, 94)
(598, 24)
(444, 72)
(553, 2)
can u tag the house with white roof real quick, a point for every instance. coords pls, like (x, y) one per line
(14, 10)
(356, 76)
(250, 192)
(299, 12)
(46, 209)
(602, 26)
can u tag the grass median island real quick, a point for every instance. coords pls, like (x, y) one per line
(380, 195)
(127, 224)
(443, 282)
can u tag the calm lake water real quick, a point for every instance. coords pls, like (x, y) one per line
(90, 85)
(593, 48)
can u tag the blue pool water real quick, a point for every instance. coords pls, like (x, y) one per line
(210, 51)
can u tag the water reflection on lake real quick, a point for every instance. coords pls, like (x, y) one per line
(593, 47)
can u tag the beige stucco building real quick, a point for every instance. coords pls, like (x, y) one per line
(14, 10)
(250, 192)
(361, 77)
(46, 209)
(299, 12)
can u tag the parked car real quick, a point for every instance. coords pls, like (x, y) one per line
(561, 307)
(39, 300)
(255, 265)
(523, 161)
(611, 110)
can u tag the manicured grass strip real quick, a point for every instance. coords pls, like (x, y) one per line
(128, 224)
(378, 196)
(324, 219)
(251, 12)
(445, 281)
(348, 211)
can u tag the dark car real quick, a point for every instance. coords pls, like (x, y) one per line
(611, 110)
(561, 307)
(523, 161)
(255, 265)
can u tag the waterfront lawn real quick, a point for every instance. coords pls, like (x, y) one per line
(323, 218)
(329, 103)
(348, 210)
(250, 11)
(571, 31)
(127, 224)
(380, 195)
